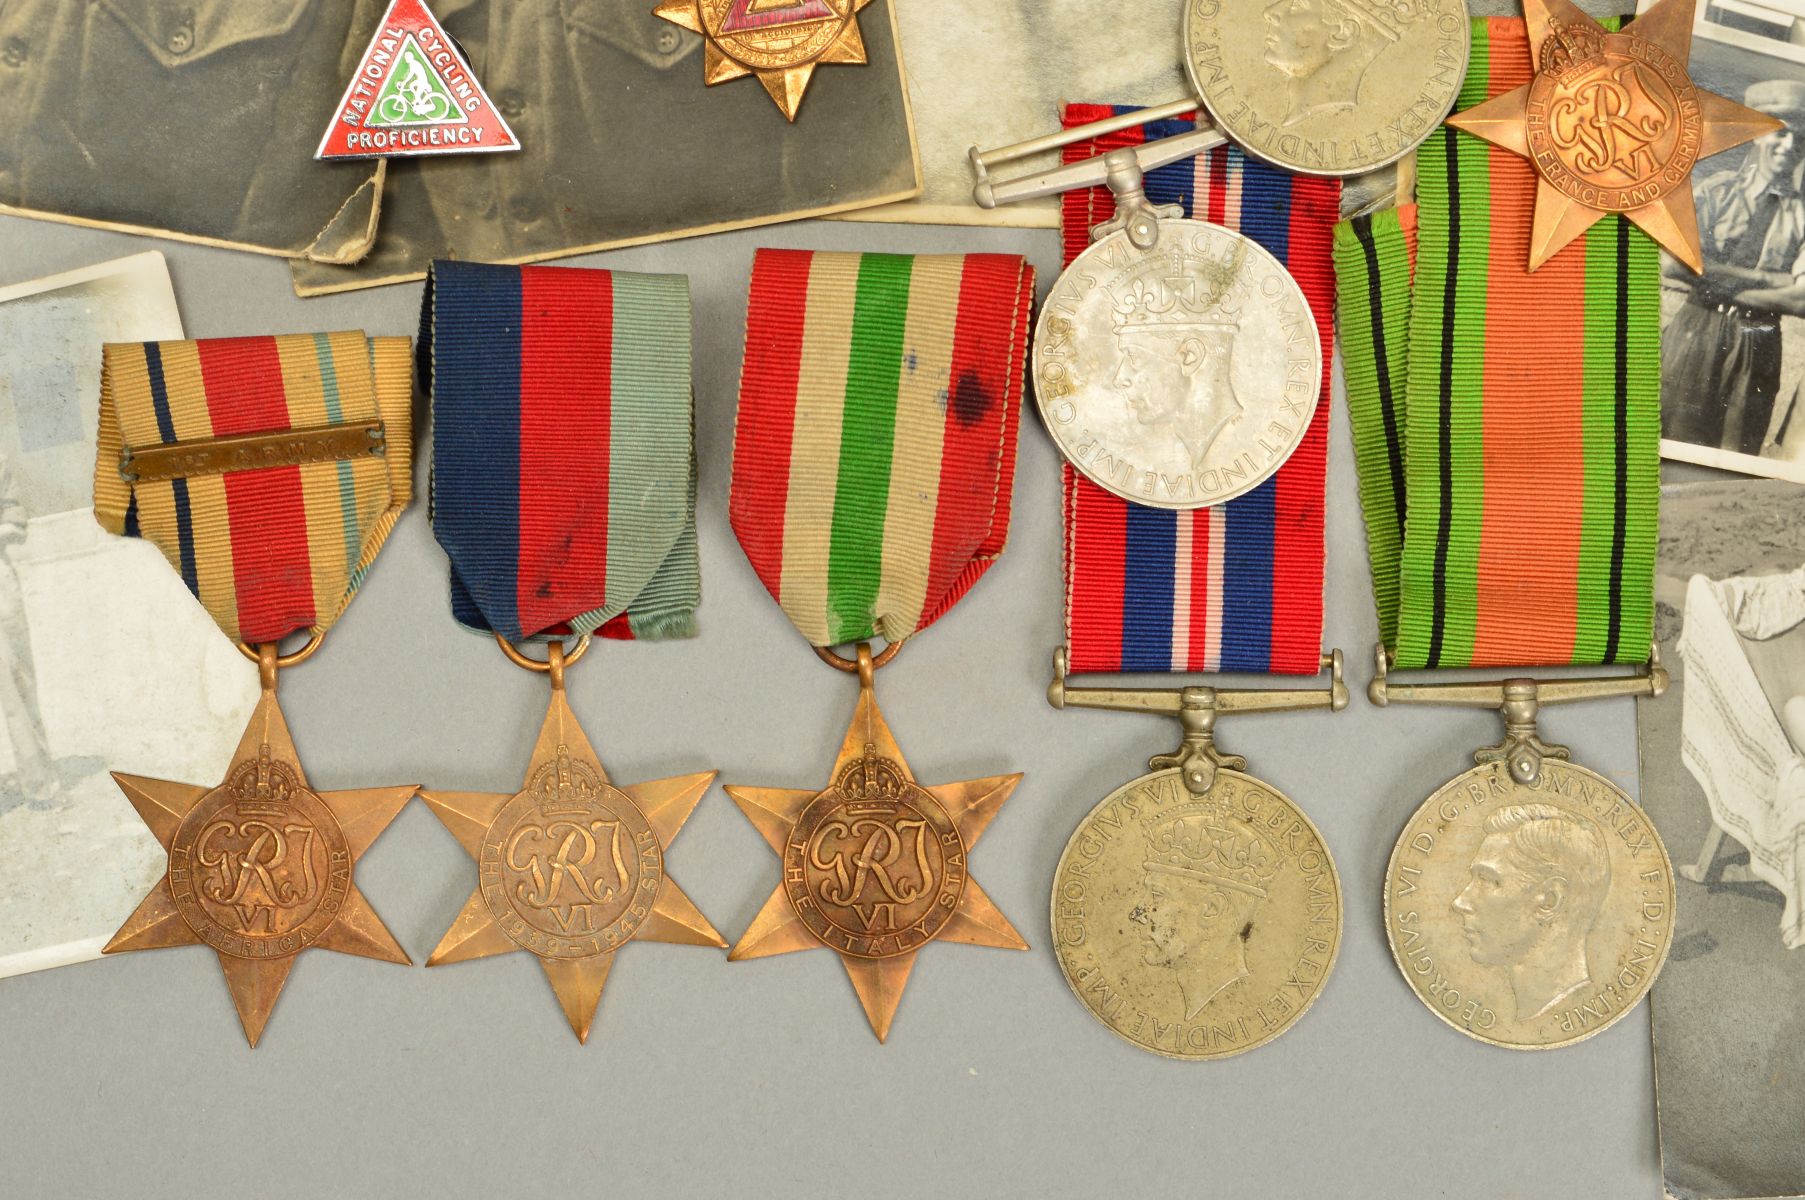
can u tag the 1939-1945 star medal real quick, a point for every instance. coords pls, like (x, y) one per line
(872, 464)
(1613, 124)
(564, 497)
(271, 492)
(779, 41)
(571, 867)
(1330, 87)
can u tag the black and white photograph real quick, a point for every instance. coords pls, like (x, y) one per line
(104, 657)
(1723, 777)
(224, 156)
(1733, 341)
(622, 143)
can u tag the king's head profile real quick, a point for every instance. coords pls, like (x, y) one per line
(1325, 47)
(1205, 874)
(1174, 340)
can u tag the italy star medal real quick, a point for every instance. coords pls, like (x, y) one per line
(872, 467)
(564, 496)
(780, 42)
(268, 471)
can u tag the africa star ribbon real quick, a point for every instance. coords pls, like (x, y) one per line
(1236, 586)
(267, 550)
(875, 446)
(563, 460)
(1506, 426)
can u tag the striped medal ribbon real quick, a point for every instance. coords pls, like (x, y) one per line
(267, 470)
(563, 473)
(1506, 427)
(1237, 586)
(875, 446)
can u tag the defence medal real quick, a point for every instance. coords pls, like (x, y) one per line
(1613, 124)
(1510, 481)
(779, 41)
(1176, 360)
(268, 471)
(1197, 910)
(873, 460)
(564, 496)
(413, 94)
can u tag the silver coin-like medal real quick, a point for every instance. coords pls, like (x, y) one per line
(1178, 376)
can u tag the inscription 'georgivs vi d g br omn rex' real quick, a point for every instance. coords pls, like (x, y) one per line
(1179, 376)
(1327, 87)
(1196, 926)
(1529, 916)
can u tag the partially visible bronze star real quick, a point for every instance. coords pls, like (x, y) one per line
(571, 867)
(874, 865)
(1613, 123)
(780, 41)
(260, 867)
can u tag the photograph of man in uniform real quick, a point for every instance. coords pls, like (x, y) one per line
(1535, 887)
(32, 777)
(1195, 899)
(197, 117)
(1721, 353)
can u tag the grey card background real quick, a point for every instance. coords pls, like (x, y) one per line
(130, 1077)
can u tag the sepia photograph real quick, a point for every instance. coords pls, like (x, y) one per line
(1733, 338)
(1723, 778)
(105, 659)
(225, 154)
(623, 142)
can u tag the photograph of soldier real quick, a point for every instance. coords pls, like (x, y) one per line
(193, 118)
(622, 142)
(1733, 350)
(1723, 779)
(26, 775)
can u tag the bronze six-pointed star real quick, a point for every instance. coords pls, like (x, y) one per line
(1613, 124)
(260, 867)
(571, 867)
(780, 41)
(874, 865)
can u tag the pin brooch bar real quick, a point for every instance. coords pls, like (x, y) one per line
(1089, 172)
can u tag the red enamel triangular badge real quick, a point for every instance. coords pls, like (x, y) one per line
(413, 93)
(746, 15)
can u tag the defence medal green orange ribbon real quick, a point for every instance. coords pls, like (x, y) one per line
(873, 460)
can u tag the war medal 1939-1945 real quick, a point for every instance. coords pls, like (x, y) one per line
(873, 460)
(1512, 522)
(1329, 87)
(269, 471)
(1196, 909)
(564, 497)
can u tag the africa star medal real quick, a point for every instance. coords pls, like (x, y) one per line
(873, 460)
(779, 41)
(1613, 124)
(564, 497)
(268, 471)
